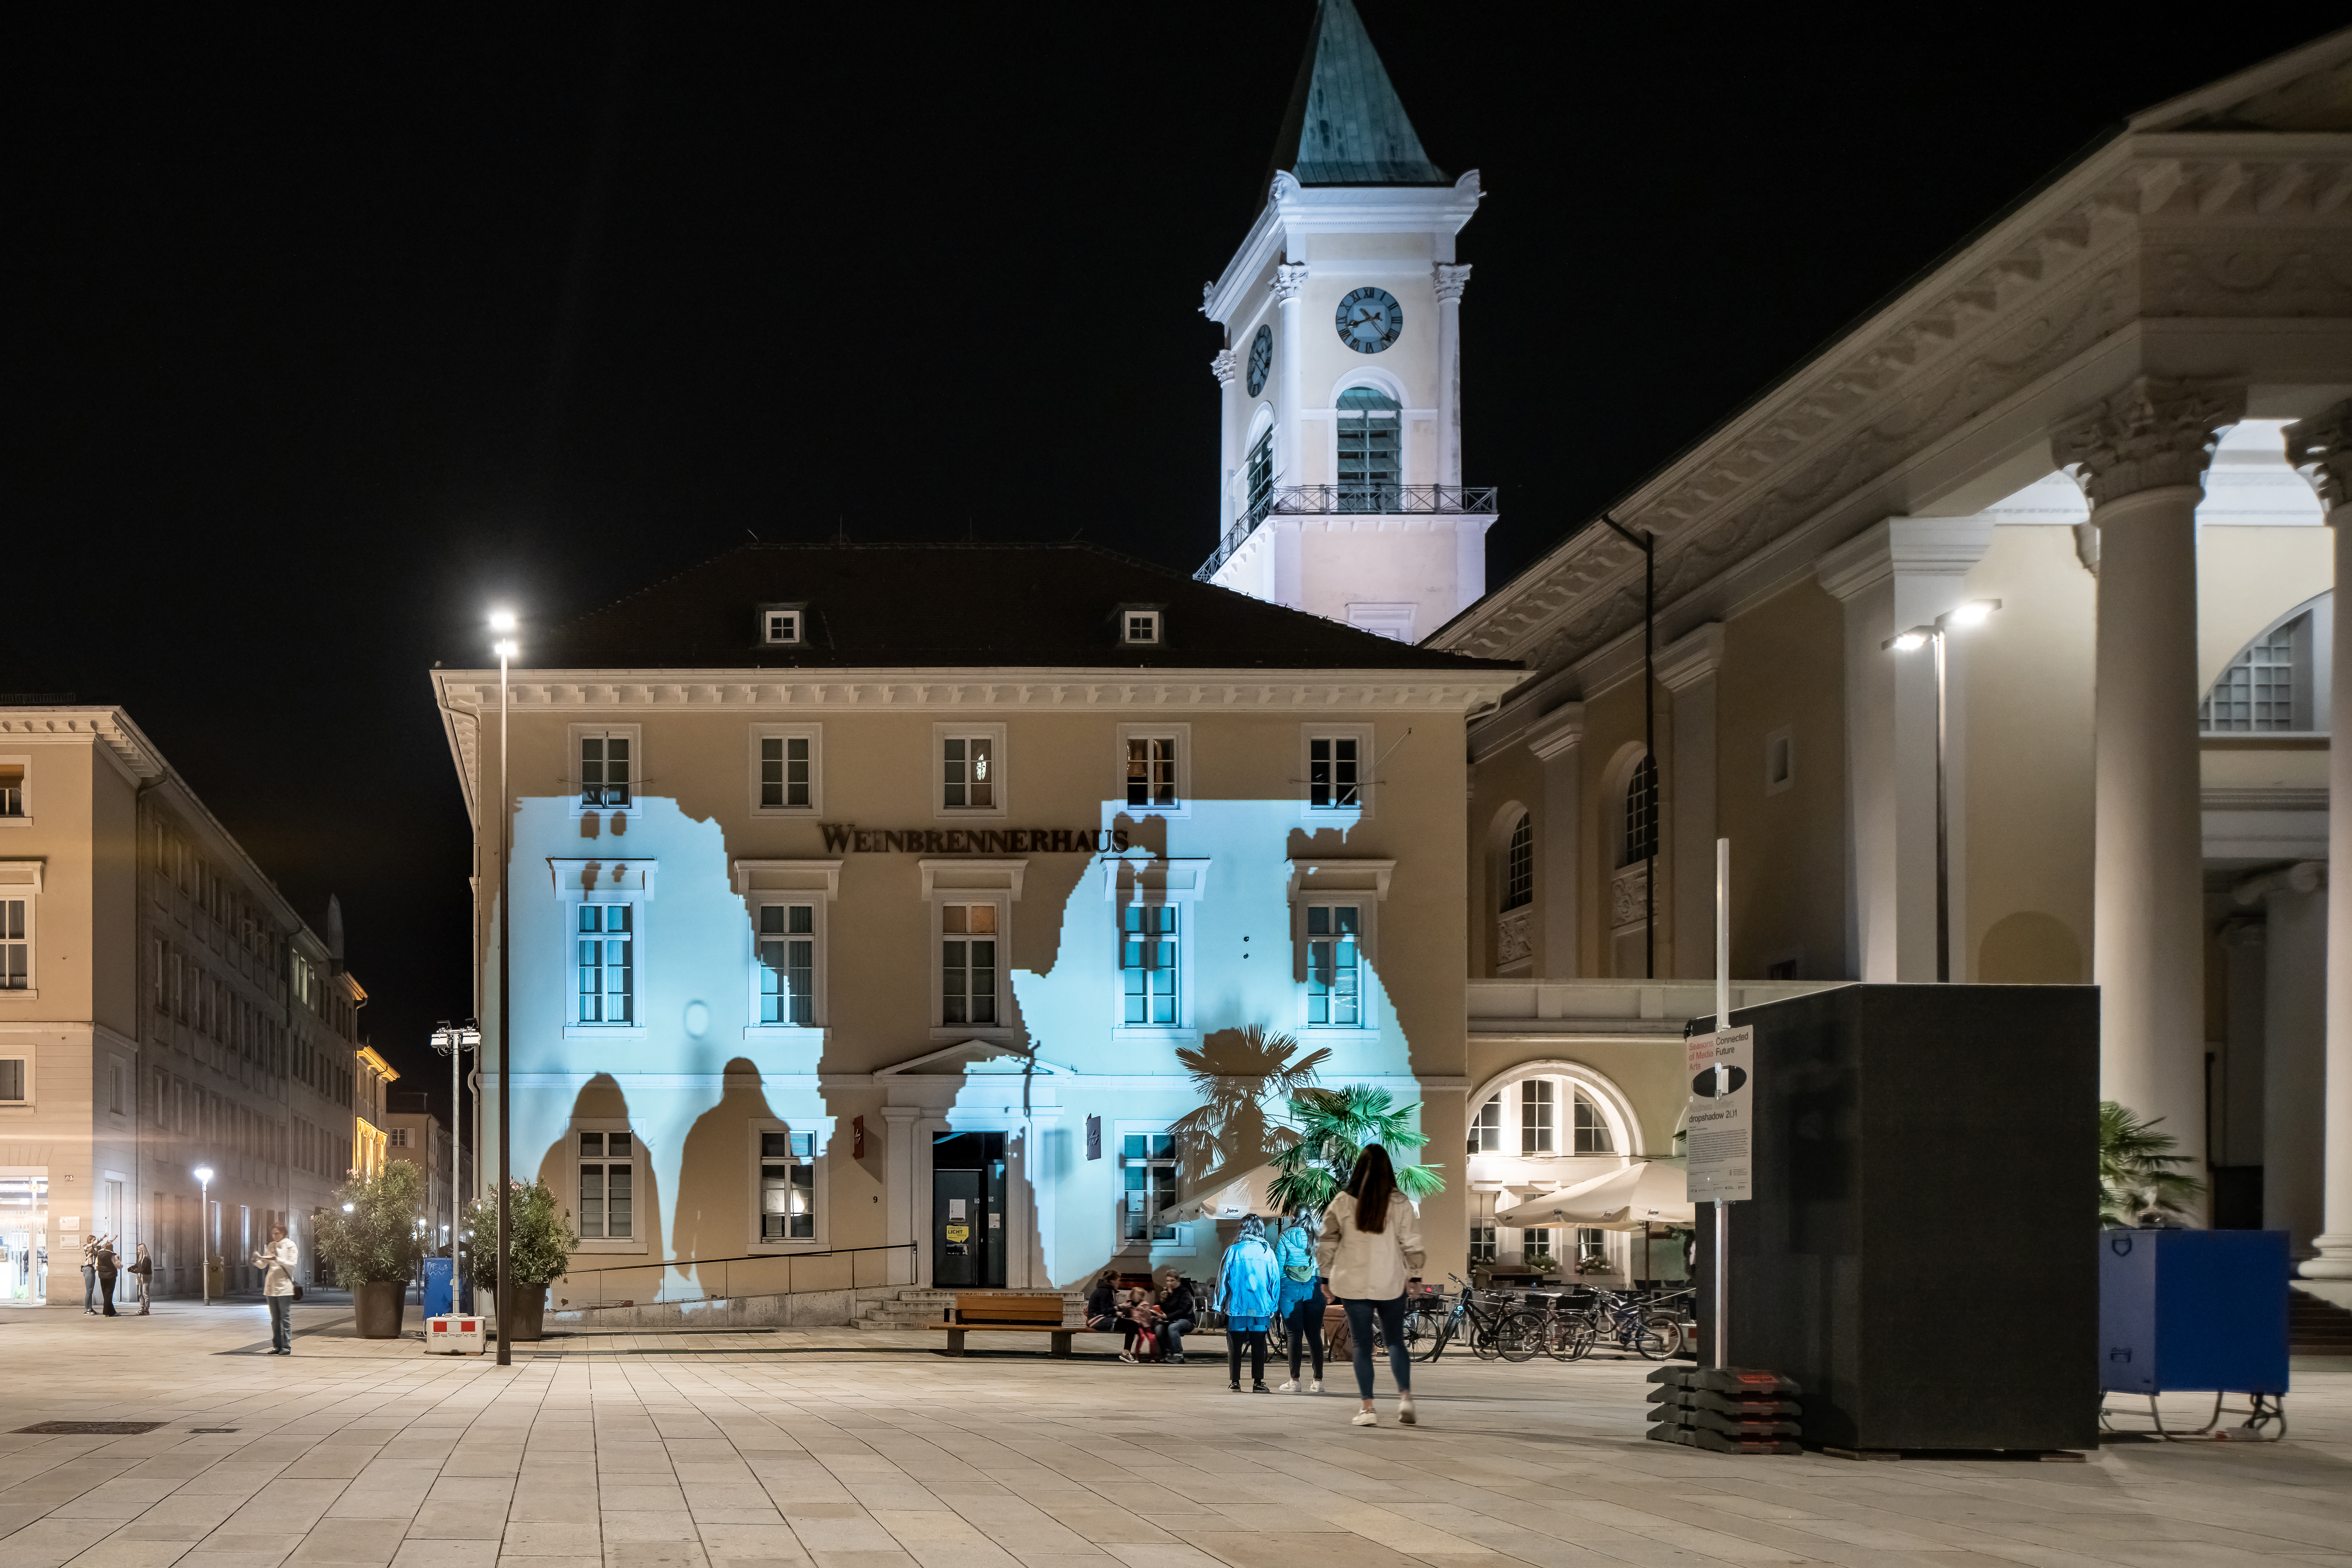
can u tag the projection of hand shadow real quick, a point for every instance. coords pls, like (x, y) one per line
(714, 1219)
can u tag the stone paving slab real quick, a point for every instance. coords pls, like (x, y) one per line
(842, 1448)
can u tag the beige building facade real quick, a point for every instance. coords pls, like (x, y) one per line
(844, 954)
(162, 1009)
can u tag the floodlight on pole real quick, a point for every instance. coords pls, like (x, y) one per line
(204, 1174)
(1974, 613)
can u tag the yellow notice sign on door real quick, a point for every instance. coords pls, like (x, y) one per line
(959, 1233)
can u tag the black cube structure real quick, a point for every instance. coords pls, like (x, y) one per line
(1920, 1251)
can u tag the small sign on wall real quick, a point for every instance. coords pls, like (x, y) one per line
(857, 1137)
(1094, 1137)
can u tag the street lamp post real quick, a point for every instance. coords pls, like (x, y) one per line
(503, 622)
(452, 1040)
(204, 1174)
(1971, 613)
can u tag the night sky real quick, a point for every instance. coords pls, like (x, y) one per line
(327, 329)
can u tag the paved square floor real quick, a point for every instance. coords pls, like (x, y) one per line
(845, 1449)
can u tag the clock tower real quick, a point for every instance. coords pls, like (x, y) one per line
(1341, 429)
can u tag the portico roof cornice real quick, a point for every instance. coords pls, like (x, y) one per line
(1946, 380)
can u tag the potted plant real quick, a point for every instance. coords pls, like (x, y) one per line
(1593, 1263)
(1538, 1264)
(2140, 1184)
(541, 1251)
(369, 1236)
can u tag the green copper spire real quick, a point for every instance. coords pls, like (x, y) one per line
(1345, 125)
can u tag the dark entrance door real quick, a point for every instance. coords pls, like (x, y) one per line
(967, 1210)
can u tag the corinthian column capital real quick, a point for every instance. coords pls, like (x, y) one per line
(1222, 365)
(1451, 281)
(2320, 449)
(1289, 277)
(2156, 431)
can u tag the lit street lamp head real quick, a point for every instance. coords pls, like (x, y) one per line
(1910, 641)
(203, 1174)
(1974, 612)
(503, 620)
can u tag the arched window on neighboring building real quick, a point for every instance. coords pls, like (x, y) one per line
(1372, 447)
(2278, 682)
(1519, 865)
(1641, 842)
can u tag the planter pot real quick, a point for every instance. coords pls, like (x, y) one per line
(530, 1313)
(378, 1308)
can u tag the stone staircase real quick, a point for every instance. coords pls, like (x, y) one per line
(2314, 1326)
(913, 1307)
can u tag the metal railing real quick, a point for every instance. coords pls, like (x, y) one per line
(1358, 500)
(717, 1279)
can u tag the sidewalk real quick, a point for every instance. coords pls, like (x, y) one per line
(843, 1450)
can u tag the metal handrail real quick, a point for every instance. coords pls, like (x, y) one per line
(745, 1257)
(1355, 501)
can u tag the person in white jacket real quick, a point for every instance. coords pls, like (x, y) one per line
(279, 1259)
(1369, 1250)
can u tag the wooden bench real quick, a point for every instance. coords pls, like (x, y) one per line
(1007, 1312)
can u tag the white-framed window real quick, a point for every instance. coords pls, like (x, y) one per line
(16, 1080)
(1139, 626)
(118, 1089)
(787, 942)
(1591, 1245)
(1148, 1184)
(1336, 763)
(604, 968)
(1258, 499)
(1487, 1128)
(1155, 933)
(1539, 1103)
(1482, 1240)
(970, 976)
(15, 941)
(787, 775)
(607, 1188)
(970, 902)
(787, 1176)
(1592, 1128)
(1148, 969)
(968, 768)
(16, 796)
(1641, 814)
(784, 625)
(1537, 1243)
(1155, 769)
(611, 763)
(397, 1137)
(1335, 995)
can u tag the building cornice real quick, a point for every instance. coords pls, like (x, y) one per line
(2176, 233)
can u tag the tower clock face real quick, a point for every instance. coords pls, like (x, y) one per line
(1370, 320)
(1261, 360)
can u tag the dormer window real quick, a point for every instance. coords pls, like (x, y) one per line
(783, 625)
(1138, 626)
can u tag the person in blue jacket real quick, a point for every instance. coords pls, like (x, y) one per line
(1249, 1292)
(1301, 1305)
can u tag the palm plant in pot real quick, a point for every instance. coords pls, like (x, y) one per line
(541, 1251)
(371, 1237)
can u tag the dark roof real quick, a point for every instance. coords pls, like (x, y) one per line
(958, 606)
(1345, 125)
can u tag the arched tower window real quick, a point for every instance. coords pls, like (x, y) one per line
(1641, 814)
(1371, 450)
(1519, 865)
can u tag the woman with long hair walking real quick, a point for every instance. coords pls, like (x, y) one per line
(1371, 1249)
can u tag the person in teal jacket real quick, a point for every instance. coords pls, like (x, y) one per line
(1249, 1292)
(1301, 1306)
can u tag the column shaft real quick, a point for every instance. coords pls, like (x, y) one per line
(2294, 1047)
(1289, 460)
(2147, 944)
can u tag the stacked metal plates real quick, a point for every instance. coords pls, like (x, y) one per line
(1726, 1409)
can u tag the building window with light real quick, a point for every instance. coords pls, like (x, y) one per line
(968, 964)
(1487, 1128)
(1151, 770)
(1519, 865)
(1147, 1170)
(1641, 837)
(1592, 1134)
(605, 776)
(1146, 965)
(968, 769)
(1334, 997)
(1537, 1103)
(787, 944)
(787, 1186)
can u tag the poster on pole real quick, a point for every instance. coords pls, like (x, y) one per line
(1722, 1069)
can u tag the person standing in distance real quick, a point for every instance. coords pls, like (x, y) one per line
(143, 1272)
(1370, 1248)
(278, 1288)
(108, 1267)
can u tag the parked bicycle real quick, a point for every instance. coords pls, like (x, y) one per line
(1493, 1328)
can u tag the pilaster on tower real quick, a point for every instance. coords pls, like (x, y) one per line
(1340, 436)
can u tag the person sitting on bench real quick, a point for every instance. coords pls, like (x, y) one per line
(1106, 1313)
(1177, 1314)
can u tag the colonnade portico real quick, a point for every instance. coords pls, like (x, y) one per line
(2140, 456)
(2322, 448)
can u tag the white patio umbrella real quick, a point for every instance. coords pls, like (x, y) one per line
(1230, 1195)
(1648, 1192)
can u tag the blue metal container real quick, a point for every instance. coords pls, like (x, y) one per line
(436, 1289)
(2192, 1310)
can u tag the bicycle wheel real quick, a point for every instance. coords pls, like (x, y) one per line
(1278, 1340)
(1651, 1344)
(1519, 1336)
(1669, 1330)
(1586, 1335)
(1559, 1337)
(1482, 1338)
(1424, 1334)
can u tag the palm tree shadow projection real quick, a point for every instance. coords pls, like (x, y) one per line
(1237, 1074)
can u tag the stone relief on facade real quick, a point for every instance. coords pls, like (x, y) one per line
(1629, 895)
(1512, 939)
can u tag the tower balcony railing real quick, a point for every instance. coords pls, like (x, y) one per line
(1361, 500)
